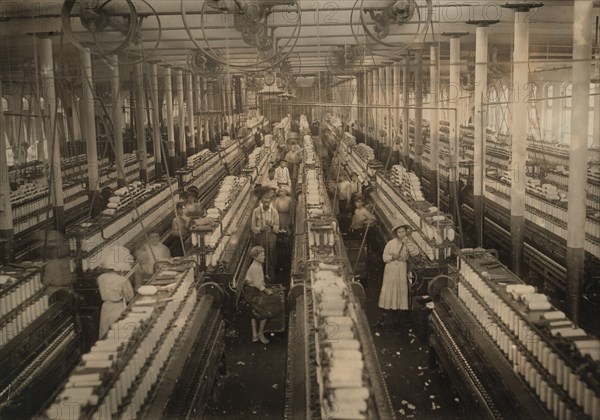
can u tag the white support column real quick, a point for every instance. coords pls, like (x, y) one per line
(382, 101)
(418, 144)
(181, 153)
(207, 108)
(369, 101)
(140, 128)
(354, 100)
(6, 217)
(197, 107)
(596, 132)
(156, 126)
(117, 120)
(191, 146)
(520, 112)
(578, 153)
(168, 81)
(405, 111)
(56, 187)
(396, 139)
(454, 94)
(480, 124)
(89, 119)
(434, 121)
(389, 113)
(376, 101)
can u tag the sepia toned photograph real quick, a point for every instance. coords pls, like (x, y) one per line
(299, 209)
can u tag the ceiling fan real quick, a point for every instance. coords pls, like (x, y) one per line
(109, 27)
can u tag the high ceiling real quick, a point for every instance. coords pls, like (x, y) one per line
(309, 36)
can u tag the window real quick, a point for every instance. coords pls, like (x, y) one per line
(533, 128)
(565, 129)
(126, 113)
(5, 104)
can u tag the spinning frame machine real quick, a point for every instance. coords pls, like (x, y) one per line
(160, 359)
(220, 246)
(40, 335)
(144, 367)
(39, 341)
(398, 200)
(137, 207)
(509, 350)
(511, 353)
(545, 208)
(332, 369)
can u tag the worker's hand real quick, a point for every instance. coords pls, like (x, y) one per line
(269, 292)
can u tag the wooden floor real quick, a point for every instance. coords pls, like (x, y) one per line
(254, 385)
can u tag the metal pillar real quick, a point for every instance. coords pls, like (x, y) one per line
(434, 121)
(207, 118)
(369, 101)
(480, 123)
(171, 164)
(181, 152)
(191, 143)
(140, 127)
(382, 101)
(156, 126)
(117, 120)
(389, 99)
(418, 143)
(376, 101)
(6, 217)
(198, 106)
(89, 119)
(520, 112)
(576, 212)
(228, 90)
(454, 93)
(396, 140)
(56, 187)
(405, 122)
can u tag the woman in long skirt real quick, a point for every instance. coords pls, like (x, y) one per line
(395, 290)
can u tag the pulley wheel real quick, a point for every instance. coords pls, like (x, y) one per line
(436, 285)
(212, 289)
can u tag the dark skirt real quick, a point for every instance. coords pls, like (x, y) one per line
(263, 306)
(175, 246)
(268, 240)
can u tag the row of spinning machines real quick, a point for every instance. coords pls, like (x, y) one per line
(509, 351)
(332, 367)
(142, 366)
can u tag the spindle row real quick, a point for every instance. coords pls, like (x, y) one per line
(116, 376)
(525, 327)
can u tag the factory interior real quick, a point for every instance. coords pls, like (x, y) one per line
(299, 209)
